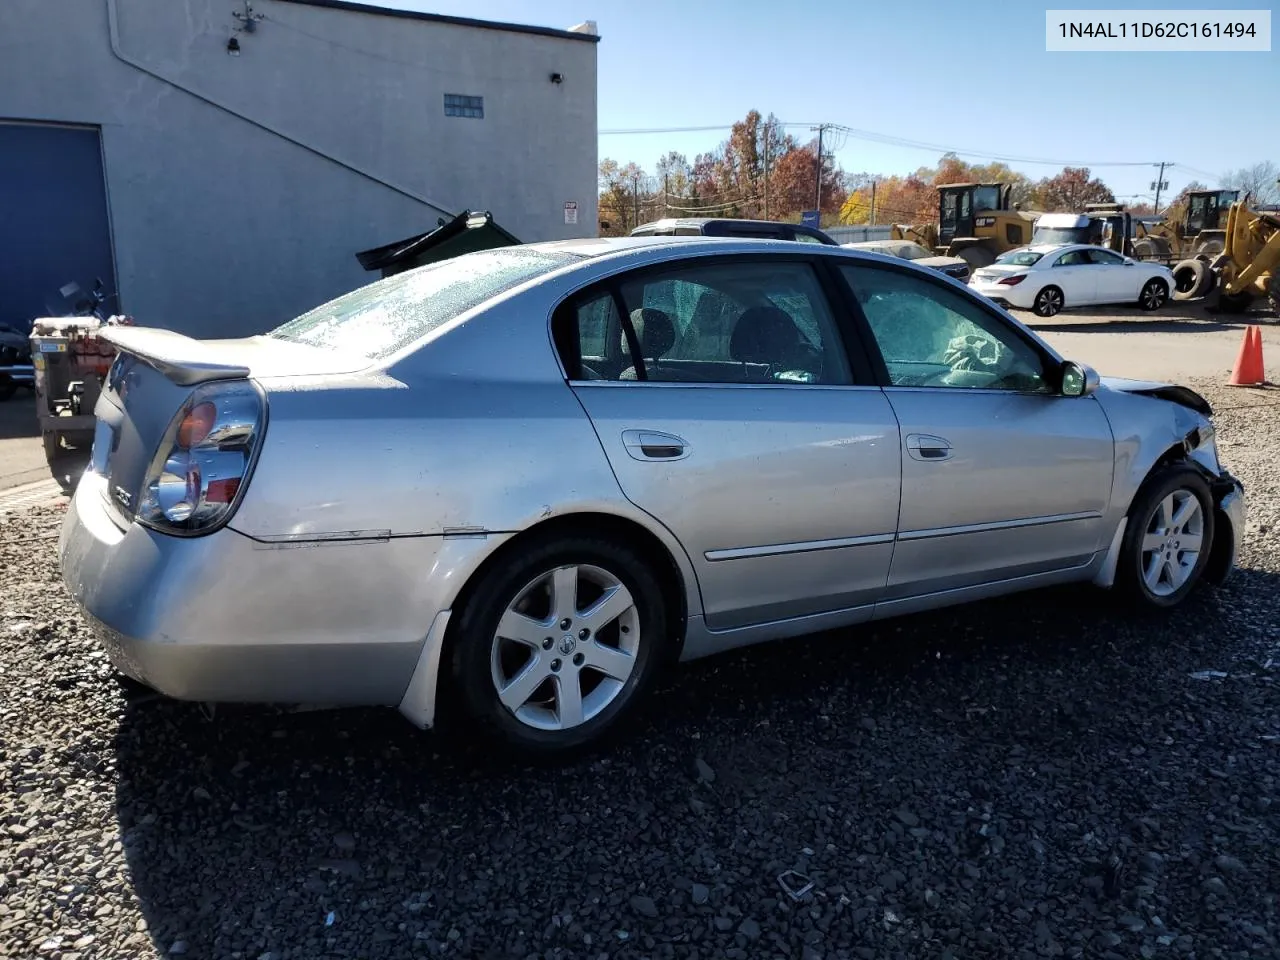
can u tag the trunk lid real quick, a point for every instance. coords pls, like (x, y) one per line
(154, 375)
(996, 271)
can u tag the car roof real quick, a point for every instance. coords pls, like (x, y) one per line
(620, 246)
(1046, 248)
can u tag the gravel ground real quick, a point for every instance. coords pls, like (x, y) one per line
(1032, 777)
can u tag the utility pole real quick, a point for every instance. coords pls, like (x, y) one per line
(767, 125)
(873, 203)
(817, 205)
(666, 192)
(635, 198)
(1159, 183)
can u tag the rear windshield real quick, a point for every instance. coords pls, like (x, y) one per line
(1018, 258)
(376, 320)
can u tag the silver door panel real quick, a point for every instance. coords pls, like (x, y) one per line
(788, 513)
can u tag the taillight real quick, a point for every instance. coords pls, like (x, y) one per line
(1012, 281)
(204, 459)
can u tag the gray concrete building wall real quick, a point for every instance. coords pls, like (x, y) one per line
(241, 187)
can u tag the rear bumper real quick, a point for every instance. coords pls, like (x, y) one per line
(1001, 295)
(227, 618)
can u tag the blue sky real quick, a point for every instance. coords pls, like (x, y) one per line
(971, 76)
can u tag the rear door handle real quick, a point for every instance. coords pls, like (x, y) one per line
(654, 445)
(921, 446)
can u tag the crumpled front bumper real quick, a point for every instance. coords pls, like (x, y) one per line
(1228, 495)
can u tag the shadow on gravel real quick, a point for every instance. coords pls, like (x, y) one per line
(18, 417)
(1142, 323)
(937, 776)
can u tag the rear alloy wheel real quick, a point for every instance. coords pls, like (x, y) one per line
(1167, 542)
(1048, 302)
(552, 650)
(1154, 295)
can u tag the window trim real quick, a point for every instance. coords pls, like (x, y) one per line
(881, 369)
(862, 367)
(464, 102)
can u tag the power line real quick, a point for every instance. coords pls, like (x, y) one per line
(892, 140)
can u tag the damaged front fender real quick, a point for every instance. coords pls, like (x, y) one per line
(1155, 424)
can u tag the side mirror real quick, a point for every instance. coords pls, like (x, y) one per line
(1078, 379)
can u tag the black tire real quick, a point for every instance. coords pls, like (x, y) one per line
(1191, 279)
(1048, 302)
(1130, 579)
(472, 639)
(7, 389)
(1154, 295)
(1234, 303)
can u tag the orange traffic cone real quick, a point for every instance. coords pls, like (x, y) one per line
(1248, 371)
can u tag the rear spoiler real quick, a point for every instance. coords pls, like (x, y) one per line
(183, 360)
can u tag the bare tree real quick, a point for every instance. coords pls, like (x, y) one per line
(1259, 180)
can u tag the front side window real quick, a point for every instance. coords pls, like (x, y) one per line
(1073, 258)
(931, 336)
(752, 321)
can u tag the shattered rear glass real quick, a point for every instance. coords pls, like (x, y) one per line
(376, 320)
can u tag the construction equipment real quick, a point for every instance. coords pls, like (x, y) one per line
(975, 223)
(925, 234)
(1200, 233)
(1247, 268)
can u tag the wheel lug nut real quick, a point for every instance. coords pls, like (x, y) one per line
(566, 623)
(555, 666)
(577, 659)
(584, 633)
(546, 644)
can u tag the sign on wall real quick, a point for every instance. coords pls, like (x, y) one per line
(571, 211)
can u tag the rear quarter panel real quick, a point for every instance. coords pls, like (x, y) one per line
(476, 431)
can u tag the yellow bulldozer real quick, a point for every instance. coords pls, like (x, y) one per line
(1246, 269)
(975, 222)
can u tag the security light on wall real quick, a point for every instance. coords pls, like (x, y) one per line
(557, 78)
(233, 46)
(248, 17)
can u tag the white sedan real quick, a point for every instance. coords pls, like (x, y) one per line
(1044, 278)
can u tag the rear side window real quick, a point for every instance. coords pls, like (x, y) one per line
(749, 322)
(376, 320)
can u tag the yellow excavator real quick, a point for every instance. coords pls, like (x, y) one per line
(1247, 269)
(975, 222)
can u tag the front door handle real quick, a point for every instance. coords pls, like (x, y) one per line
(921, 446)
(654, 445)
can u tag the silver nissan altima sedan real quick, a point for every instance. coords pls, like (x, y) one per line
(520, 482)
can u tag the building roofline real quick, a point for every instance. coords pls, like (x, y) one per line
(352, 7)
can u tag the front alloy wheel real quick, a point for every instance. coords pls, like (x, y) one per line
(1168, 539)
(1154, 295)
